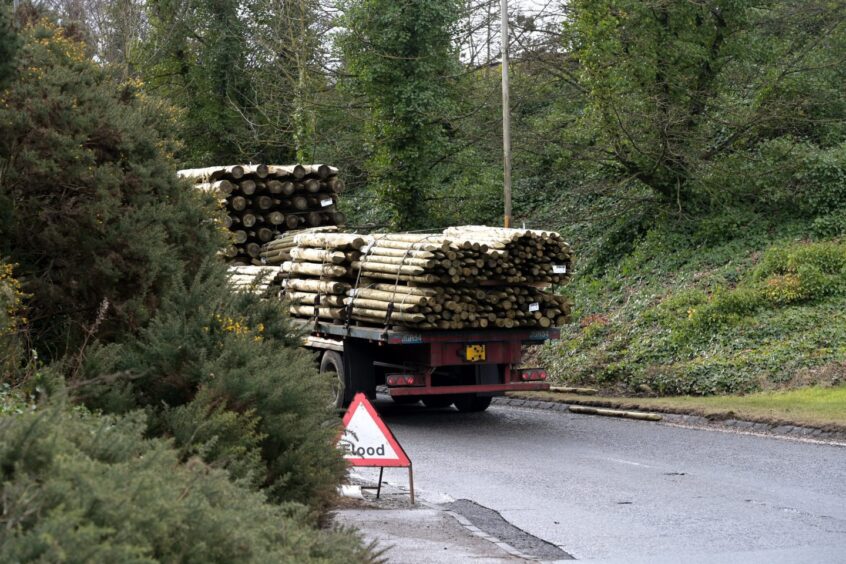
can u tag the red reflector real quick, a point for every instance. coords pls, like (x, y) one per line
(409, 380)
(533, 375)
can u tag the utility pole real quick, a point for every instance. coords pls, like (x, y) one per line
(506, 117)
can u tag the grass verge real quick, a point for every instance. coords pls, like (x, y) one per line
(813, 406)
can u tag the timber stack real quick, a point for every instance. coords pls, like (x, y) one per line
(259, 280)
(465, 277)
(263, 201)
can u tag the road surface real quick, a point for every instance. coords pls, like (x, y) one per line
(629, 491)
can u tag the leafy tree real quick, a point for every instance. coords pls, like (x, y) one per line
(673, 89)
(401, 60)
(247, 73)
(91, 210)
(196, 58)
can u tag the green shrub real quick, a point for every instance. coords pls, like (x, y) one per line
(8, 45)
(785, 275)
(82, 488)
(90, 208)
(212, 363)
(829, 257)
(14, 400)
(690, 312)
(724, 308)
(830, 224)
(11, 322)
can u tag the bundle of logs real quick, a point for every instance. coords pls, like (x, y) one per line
(262, 201)
(465, 277)
(254, 279)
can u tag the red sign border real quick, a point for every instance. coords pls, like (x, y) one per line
(402, 462)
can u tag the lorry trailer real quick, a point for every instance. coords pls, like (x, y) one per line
(466, 368)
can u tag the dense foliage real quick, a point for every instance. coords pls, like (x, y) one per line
(82, 488)
(221, 374)
(401, 59)
(12, 321)
(689, 313)
(90, 207)
(8, 46)
(198, 49)
(679, 95)
(207, 438)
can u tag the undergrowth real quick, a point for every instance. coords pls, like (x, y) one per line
(733, 305)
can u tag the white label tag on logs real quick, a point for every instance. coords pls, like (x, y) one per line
(534, 307)
(559, 269)
(326, 202)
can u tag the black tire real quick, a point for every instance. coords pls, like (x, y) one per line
(405, 400)
(471, 403)
(332, 364)
(437, 402)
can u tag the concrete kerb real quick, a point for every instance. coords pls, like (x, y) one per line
(691, 420)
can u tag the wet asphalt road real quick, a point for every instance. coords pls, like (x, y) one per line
(629, 491)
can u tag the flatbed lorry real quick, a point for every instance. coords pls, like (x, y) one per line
(440, 368)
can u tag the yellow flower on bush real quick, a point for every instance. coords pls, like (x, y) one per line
(11, 301)
(240, 327)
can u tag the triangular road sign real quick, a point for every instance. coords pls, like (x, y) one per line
(366, 440)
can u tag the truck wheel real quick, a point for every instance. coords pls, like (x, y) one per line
(437, 402)
(471, 403)
(332, 366)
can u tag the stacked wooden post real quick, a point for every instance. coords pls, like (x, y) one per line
(262, 201)
(459, 279)
(254, 279)
(279, 250)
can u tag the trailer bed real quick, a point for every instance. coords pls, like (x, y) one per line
(322, 330)
(466, 367)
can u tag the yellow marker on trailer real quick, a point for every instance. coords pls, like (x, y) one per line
(475, 353)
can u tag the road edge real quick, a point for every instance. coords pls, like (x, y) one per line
(693, 420)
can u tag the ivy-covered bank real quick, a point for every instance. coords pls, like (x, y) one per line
(756, 307)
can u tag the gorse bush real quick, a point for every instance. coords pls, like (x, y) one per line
(219, 372)
(216, 444)
(11, 321)
(8, 46)
(82, 488)
(90, 208)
